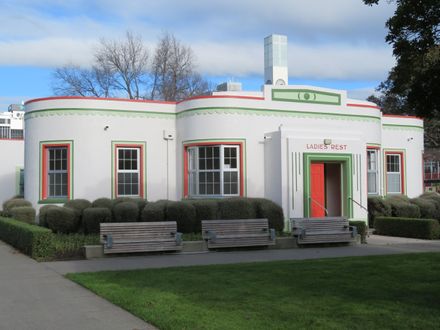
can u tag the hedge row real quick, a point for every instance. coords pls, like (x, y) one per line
(426, 206)
(408, 227)
(19, 209)
(32, 240)
(362, 229)
(83, 216)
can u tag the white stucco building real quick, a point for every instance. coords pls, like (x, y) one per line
(312, 150)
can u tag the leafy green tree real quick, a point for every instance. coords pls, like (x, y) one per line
(413, 85)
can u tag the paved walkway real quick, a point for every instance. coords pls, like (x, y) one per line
(377, 245)
(34, 297)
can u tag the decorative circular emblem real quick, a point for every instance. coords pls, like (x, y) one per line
(307, 96)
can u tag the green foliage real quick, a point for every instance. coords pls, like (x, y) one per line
(377, 207)
(435, 198)
(428, 207)
(414, 34)
(184, 213)
(236, 208)
(362, 229)
(15, 202)
(103, 202)
(78, 204)
(125, 212)
(407, 227)
(93, 216)
(206, 209)
(35, 241)
(70, 246)
(265, 208)
(42, 216)
(402, 207)
(62, 220)
(154, 211)
(23, 213)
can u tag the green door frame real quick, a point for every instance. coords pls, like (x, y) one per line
(346, 185)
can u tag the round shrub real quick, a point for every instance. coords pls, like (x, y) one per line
(154, 211)
(377, 207)
(15, 202)
(23, 213)
(78, 205)
(62, 220)
(435, 198)
(206, 209)
(267, 209)
(402, 208)
(236, 208)
(184, 213)
(103, 202)
(93, 216)
(428, 209)
(125, 212)
(42, 215)
(140, 202)
(121, 200)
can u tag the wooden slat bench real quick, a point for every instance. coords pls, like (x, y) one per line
(237, 233)
(323, 230)
(125, 237)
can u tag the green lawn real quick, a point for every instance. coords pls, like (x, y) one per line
(380, 292)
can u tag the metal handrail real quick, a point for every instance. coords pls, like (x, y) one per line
(319, 204)
(358, 204)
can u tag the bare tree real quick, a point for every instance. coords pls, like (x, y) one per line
(128, 62)
(173, 70)
(73, 80)
(122, 67)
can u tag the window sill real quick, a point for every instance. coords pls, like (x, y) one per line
(53, 201)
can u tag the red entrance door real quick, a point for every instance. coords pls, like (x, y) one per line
(317, 190)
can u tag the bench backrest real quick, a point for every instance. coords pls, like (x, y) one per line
(324, 224)
(139, 230)
(235, 227)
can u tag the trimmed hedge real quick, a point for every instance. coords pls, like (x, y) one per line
(23, 213)
(265, 208)
(35, 241)
(42, 221)
(93, 216)
(184, 213)
(407, 227)
(427, 207)
(62, 220)
(103, 202)
(15, 202)
(154, 211)
(377, 207)
(236, 208)
(401, 207)
(206, 209)
(362, 229)
(125, 212)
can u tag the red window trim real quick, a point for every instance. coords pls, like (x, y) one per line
(141, 167)
(44, 170)
(402, 171)
(216, 143)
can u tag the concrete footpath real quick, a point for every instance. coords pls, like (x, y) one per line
(377, 245)
(34, 297)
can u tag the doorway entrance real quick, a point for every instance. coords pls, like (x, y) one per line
(327, 185)
(325, 189)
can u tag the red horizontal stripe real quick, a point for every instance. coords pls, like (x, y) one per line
(363, 106)
(94, 98)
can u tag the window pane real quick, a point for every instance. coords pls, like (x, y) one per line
(372, 183)
(393, 183)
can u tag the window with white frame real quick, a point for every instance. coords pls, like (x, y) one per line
(394, 173)
(128, 171)
(372, 170)
(57, 172)
(214, 170)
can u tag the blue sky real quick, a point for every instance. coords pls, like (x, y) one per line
(337, 44)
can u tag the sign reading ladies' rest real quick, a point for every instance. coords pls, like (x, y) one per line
(322, 146)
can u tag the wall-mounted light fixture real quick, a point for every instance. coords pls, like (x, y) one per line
(106, 127)
(409, 139)
(327, 141)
